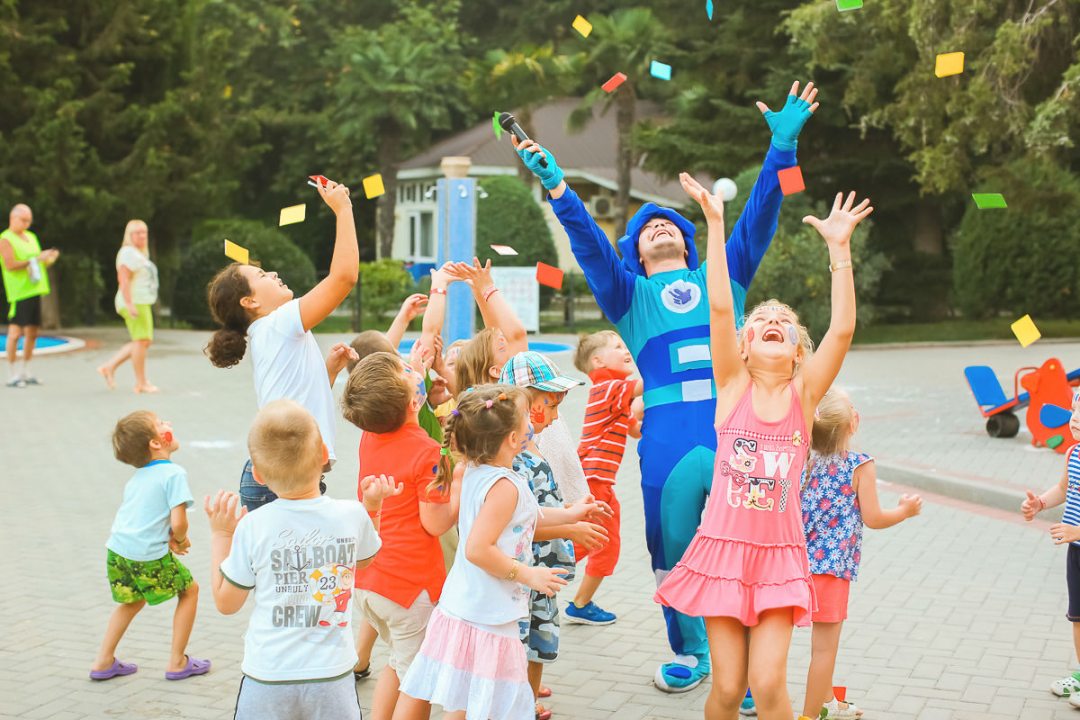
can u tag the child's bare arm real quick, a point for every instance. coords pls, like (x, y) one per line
(873, 515)
(494, 309)
(438, 518)
(435, 314)
(179, 542)
(821, 369)
(1054, 496)
(332, 290)
(228, 598)
(588, 535)
(411, 308)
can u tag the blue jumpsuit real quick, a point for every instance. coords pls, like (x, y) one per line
(664, 321)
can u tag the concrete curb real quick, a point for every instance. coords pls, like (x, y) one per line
(954, 344)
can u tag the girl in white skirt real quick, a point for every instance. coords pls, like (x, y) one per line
(472, 662)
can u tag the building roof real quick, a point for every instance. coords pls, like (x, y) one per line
(588, 154)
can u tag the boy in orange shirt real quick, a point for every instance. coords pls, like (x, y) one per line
(398, 591)
(609, 419)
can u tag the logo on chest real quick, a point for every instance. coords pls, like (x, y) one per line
(680, 296)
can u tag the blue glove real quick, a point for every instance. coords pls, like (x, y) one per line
(550, 176)
(787, 123)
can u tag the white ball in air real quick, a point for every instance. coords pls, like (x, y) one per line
(726, 189)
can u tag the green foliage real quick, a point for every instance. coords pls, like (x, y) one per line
(1026, 258)
(796, 267)
(81, 289)
(384, 284)
(202, 260)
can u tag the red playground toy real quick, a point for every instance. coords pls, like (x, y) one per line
(1048, 400)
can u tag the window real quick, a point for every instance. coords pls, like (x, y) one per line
(421, 236)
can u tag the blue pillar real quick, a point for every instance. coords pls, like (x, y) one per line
(456, 222)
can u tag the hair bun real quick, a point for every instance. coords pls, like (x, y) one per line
(226, 347)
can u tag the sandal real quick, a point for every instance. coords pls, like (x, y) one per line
(542, 713)
(194, 666)
(361, 674)
(115, 670)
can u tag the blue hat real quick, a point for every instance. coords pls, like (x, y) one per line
(628, 242)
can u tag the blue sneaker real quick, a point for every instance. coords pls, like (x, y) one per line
(682, 675)
(589, 615)
(748, 708)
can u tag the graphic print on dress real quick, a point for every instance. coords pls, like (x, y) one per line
(680, 296)
(738, 468)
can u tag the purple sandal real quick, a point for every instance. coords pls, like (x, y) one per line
(194, 666)
(115, 670)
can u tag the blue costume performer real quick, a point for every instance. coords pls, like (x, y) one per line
(656, 297)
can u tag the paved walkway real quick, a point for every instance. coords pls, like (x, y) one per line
(957, 614)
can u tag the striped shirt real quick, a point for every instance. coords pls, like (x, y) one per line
(607, 421)
(1072, 494)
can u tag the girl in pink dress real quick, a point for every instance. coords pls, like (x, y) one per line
(746, 570)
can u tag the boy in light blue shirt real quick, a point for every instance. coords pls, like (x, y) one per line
(150, 526)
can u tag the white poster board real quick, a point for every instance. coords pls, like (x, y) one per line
(519, 288)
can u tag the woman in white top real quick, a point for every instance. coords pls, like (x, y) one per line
(137, 277)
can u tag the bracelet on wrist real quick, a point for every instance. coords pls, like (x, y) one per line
(839, 265)
(512, 575)
(1042, 504)
(489, 292)
(438, 291)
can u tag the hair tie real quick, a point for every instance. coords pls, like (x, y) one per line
(444, 451)
(455, 412)
(488, 404)
(502, 396)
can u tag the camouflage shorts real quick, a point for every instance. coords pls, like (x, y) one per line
(154, 581)
(540, 633)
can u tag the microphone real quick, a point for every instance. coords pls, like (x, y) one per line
(510, 124)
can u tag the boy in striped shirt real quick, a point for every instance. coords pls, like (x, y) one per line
(609, 418)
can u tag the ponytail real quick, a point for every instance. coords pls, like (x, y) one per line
(228, 345)
(445, 476)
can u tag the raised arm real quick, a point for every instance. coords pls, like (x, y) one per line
(411, 308)
(611, 283)
(228, 596)
(723, 341)
(823, 366)
(494, 308)
(332, 290)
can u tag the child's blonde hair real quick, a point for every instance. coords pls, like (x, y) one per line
(589, 345)
(286, 446)
(477, 427)
(806, 345)
(132, 437)
(377, 397)
(476, 359)
(832, 424)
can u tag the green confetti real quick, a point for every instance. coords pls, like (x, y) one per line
(989, 201)
(845, 5)
(495, 126)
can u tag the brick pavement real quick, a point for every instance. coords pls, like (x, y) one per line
(957, 614)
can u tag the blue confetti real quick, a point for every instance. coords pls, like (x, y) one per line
(709, 8)
(659, 70)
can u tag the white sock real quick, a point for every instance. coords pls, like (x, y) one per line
(26, 368)
(13, 370)
(17, 369)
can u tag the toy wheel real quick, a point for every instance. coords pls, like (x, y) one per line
(1003, 425)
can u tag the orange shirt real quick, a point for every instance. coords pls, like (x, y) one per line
(410, 560)
(607, 420)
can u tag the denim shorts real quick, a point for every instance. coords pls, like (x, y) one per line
(254, 495)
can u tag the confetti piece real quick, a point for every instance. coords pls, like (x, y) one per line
(613, 82)
(791, 180)
(504, 249)
(840, 693)
(237, 253)
(1025, 331)
(949, 64)
(227, 92)
(989, 201)
(321, 179)
(659, 70)
(294, 214)
(373, 186)
(708, 8)
(582, 25)
(549, 275)
(496, 126)
(845, 5)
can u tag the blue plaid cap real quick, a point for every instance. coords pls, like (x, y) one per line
(531, 369)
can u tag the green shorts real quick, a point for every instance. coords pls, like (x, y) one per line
(141, 327)
(154, 581)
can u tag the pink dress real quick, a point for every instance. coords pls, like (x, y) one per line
(749, 553)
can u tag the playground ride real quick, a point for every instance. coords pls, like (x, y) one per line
(1048, 399)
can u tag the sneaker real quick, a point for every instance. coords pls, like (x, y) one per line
(31, 380)
(1066, 686)
(16, 382)
(589, 615)
(836, 710)
(748, 708)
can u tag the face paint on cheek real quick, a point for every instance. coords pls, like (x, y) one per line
(749, 335)
(167, 437)
(536, 416)
(793, 335)
(529, 435)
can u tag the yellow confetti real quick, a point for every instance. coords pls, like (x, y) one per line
(373, 186)
(293, 214)
(1025, 331)
(949, 64)
(227, 92)
(237, 253)
(582, 25)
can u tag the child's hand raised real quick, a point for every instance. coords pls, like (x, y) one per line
(335, 195)
(421, 357)
(544, 580)
(711, 205)
(1031, 506)
(376, 488)
(837, 228)
(413, 307)
(911, 505)
(222, 512)
(338, 358)
(476, 275)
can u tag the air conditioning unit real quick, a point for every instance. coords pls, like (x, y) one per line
(602, 206)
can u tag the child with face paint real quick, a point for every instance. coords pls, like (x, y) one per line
(398, 591)
(553, 546)
(746, 571)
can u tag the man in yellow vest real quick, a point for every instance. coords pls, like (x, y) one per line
(26, 278)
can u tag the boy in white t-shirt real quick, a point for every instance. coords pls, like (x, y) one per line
(299, 555)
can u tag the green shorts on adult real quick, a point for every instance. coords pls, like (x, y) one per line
(140, 327)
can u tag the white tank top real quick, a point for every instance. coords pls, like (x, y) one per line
(473, 594)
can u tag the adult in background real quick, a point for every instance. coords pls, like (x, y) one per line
(137, 277)
(24, 267)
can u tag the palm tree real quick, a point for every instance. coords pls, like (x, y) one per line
(625, 41)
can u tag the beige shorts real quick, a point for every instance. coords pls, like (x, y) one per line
(400, 628)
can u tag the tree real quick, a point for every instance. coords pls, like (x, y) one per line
(392, 87)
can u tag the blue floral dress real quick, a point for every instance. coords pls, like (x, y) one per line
(831, 516)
